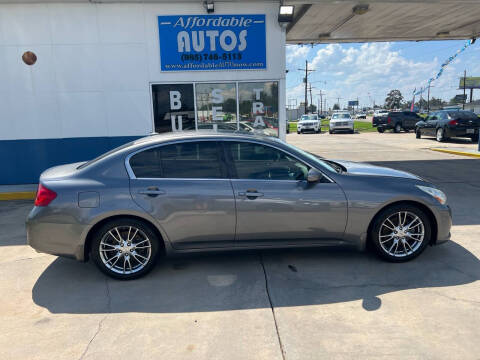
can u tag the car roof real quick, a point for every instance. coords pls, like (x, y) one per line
(154, 139)
(157, 139)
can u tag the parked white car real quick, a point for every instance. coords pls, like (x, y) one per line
(341, 121)
(309, 122)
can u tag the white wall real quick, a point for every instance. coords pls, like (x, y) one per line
(96, 63)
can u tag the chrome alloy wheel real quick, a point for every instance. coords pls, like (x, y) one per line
(401, 234)
(125, 249)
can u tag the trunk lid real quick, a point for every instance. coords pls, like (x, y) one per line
(60, 172)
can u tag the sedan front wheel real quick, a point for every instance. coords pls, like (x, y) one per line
(400, 233)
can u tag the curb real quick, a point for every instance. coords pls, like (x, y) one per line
(20, 195)
(457, 152)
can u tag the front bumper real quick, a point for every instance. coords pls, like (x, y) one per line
(334, 126)
(443, 217)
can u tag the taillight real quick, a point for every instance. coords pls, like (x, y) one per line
(44, 196)
(453, 122)
(389, 120)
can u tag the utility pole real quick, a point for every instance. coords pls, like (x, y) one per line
(306, 82)
(321, 102)
(464, 95)
(311, 99)
(428, 99)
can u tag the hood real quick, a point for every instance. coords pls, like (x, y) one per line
(372, 170)
(308, 121)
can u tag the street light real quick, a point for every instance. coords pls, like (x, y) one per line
(285, 14)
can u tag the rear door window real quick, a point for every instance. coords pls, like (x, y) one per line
(184, 160)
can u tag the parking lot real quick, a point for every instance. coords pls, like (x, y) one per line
(301, 304)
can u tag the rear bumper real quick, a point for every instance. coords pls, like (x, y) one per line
(55, 238)
(462, 132)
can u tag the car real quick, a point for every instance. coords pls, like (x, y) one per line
(445, 124)
(341, 121)
(183, 193)
(380, 112)
(396, 121)
(309, 122)
(360, 116)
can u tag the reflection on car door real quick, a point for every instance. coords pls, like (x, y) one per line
(276, 205)
(185, 188)
(431, 124)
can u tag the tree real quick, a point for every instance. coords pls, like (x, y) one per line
(394, 99)
(436, 103)
(421, 103)
(336, 107)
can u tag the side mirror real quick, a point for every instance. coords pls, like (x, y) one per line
(314, 176)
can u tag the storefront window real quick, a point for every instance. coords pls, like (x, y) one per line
(173, 107)
(259, 107)
(216, 106)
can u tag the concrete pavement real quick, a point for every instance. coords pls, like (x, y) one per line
(296, 304)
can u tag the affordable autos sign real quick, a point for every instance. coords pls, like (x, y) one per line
(212, 42)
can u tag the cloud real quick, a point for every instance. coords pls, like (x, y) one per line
(370, 71)
(296, 54)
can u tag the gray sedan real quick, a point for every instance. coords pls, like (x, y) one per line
(192, 192)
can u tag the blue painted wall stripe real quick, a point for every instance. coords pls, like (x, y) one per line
(24, 160)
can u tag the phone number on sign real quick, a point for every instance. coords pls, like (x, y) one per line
(211, 57)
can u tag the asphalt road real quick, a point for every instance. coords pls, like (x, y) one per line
(303, 304)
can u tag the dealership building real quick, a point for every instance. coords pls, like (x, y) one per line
(78, 78)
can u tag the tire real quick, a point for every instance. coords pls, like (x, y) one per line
(330, 131)
(299, 132)
(418, 134)
(400, 247)
(352, 131)
(475, 138)
(125, 264)
(397, 128)
(440, 135)
(380, 130)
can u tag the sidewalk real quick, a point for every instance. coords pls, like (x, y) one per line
(459, 151)
(18, 192)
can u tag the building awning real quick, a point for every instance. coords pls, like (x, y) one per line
(328, 21)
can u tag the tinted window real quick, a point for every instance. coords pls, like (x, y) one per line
(183, 160)
(256, 161)
(463, 115)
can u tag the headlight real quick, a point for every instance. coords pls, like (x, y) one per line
(437, 194)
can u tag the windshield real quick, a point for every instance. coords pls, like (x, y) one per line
(341, 116)
(314, 158)
(309, 117)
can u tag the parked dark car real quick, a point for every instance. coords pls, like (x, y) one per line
(396, 121)
(445, 124)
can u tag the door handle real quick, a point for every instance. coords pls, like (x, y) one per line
(152, 192)
(251, 193)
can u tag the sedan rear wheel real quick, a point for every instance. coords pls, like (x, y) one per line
(125, 249)
(397, 128)
(400, 233)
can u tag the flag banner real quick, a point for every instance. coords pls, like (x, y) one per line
(444, 65)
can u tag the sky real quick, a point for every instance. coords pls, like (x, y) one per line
(368, 71)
